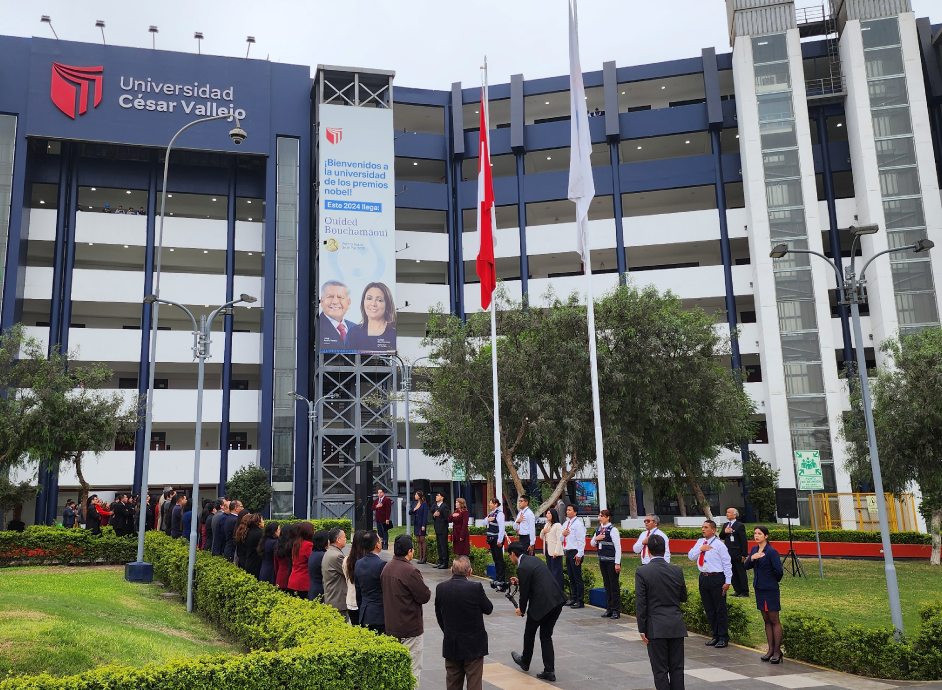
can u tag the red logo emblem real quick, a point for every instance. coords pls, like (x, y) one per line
(334, 134)
(64, 80)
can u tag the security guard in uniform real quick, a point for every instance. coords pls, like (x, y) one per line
(495, 538)
(608, 543)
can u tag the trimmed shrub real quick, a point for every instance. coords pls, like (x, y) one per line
(326, 525)
(871, 652)
(296, 644)
(40, 545)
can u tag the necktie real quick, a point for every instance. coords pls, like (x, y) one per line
(342, 327)
(702, 557)
(644, 550)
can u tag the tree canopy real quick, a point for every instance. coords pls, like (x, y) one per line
(907, 417)
(668, 404)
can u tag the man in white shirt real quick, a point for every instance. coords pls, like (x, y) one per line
(652, 526)
(333, 328)
(574, 548)
(716, 574)
(495, 538)
(525, 524)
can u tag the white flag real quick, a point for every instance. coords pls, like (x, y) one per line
(581, 183)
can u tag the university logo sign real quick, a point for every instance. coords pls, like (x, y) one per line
(64, 80)
(334, 134)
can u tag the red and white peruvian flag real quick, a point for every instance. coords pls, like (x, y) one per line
(487, 219)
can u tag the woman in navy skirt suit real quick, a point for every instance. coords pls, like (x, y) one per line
(767, 573)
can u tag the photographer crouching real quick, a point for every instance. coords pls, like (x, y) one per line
(541, 599)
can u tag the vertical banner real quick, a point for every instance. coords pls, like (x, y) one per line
(356, 230)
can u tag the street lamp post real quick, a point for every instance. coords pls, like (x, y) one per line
(139, 571)
(407, 386)
(311, 423)
(852, 292)
(201, 342)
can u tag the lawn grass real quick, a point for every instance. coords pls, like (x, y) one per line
(68, 620)
(853, 591)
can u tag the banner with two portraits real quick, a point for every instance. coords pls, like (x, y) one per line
(356, 230)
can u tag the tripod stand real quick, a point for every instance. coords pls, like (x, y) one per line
(792, 564)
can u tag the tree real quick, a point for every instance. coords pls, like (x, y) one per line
(67, 414)
(907, 416)
(762, 481)
(251, 486)
(14, 372)
(12, 494)
(668, 405)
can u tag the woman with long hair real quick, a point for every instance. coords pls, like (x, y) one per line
(377, 328)
(357, 551)
(552, 536)
(460, 539)
(766, 565)
(252, 526)
(419, 511)
(301, 546)
(266, 550)
(316, 576)
(283, 556)
(241, 552)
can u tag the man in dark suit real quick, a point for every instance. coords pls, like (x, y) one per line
(734, 536)
(440, 512)
(542, 595)
(218, 547)
(460, 607)
(367, 578)
(382, 515)
(228, 529)
(659, 591)
(123, 517)
(332, 327)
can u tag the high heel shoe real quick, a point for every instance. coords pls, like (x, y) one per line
(765, 657)
(778, 660)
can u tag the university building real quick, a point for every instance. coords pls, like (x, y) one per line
(815, 121)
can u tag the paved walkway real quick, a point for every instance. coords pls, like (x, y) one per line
(600, 654)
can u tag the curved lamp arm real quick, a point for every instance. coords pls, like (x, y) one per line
(781, 250)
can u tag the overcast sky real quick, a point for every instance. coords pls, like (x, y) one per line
(429, 43)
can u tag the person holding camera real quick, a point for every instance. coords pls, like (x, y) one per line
(495, 538)
(541, 600)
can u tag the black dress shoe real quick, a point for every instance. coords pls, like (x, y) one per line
(615, 615)
(577, 605)
(607, 614)
(712, 642)
(547, 675)
(721, 644)
(519, 661)
(780, 659)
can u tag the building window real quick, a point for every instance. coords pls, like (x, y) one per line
(794, 287)
(286, 317)
(7, 150)
(898, 173)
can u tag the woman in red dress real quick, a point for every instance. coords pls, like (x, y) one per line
(461, 542)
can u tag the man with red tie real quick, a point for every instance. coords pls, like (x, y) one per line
(333, 329)
(716, 574)
(652, 526)
(382, 515)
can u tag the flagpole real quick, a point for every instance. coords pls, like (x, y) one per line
(581, 191)
(498, 491)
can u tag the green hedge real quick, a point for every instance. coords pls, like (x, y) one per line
(294, 643)
(326, 525)
(869, 652)
(694, 616)
(781, 534)
(61, 546)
